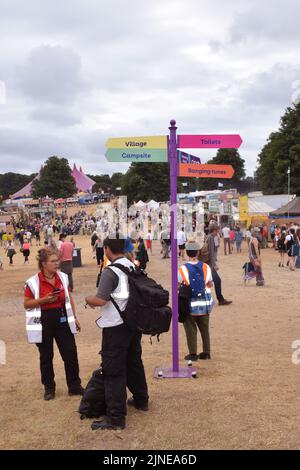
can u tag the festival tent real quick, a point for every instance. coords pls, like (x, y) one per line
(291, 209)
(26, 191)
(83, 182)
(152, 205)
(140, 204)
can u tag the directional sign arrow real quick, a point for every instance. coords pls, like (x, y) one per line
(137, 143)
(196, 170)
(209, 141)
(136, 155)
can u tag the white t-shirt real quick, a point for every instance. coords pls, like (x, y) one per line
(288, 238)
(226, 232)
(181, 238)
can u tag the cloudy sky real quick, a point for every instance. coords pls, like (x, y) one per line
(79, 71)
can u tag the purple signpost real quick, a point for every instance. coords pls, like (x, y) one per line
(184, 141)
(174, 371)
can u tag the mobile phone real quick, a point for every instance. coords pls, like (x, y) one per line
(57, 291)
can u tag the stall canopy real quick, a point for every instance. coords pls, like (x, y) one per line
(140, 204)
(152, 205)
(291, 209)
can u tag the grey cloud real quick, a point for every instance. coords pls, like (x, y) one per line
(273, 20)
(272, 88)
(52, 74)
(57, 116)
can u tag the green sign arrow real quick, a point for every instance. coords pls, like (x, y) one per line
(136, 155)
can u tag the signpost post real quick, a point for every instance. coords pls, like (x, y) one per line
(161, 149)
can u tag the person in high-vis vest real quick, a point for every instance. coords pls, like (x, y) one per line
(121, 349)
(192, 322)
(50, 314)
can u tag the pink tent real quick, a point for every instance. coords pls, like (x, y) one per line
(26, 191)
(83, 182)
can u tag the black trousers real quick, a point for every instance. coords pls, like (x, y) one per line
(55, 326)
(217, 284)
(67, 268)
(99, 255)
(121, 365)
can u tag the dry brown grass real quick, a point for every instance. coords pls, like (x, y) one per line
(246, 397)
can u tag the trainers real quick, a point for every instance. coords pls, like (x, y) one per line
(49, 395)
(139, 406)
(191, 357)
(225, 302)
(107, 424)
(204, 355)
(76, 391)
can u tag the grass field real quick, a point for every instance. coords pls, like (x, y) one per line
(246, 397)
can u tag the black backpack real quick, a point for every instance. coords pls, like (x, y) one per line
(147, 309)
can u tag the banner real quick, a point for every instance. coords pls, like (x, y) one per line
(243, 200)
(214, 204)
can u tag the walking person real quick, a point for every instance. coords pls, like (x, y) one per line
(10, 252)
(26, 250)
(50, 314)
(98, 247)
(238, 240)
(142, 255)
(149, 238)
(66, 260)
(292, 248)
(181, 239)
(281, 248)
(197, 275)
(232, 238)
(226, 236)
(255, 257)
(121, 349)
(248, 236)
(212, 262)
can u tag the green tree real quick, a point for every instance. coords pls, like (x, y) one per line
(56, 180)
(225, 157)
(103, 183)
(146, 181)
(116, 181)
(281, 151)
(10, 183)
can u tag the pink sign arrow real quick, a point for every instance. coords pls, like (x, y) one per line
(209, 141)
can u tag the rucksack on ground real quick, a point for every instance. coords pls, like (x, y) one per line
(147, 309)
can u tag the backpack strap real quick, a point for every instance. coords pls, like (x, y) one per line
(124, 269)
(116, 306)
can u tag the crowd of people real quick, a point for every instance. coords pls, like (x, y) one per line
(51, 311)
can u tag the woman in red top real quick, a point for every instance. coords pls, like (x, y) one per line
(54, 325)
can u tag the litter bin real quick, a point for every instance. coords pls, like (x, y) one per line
(77, 258)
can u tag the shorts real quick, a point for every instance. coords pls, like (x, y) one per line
(148, 243)
(182, 247)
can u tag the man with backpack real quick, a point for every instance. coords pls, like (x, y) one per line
(197, 276)
(121, 346)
